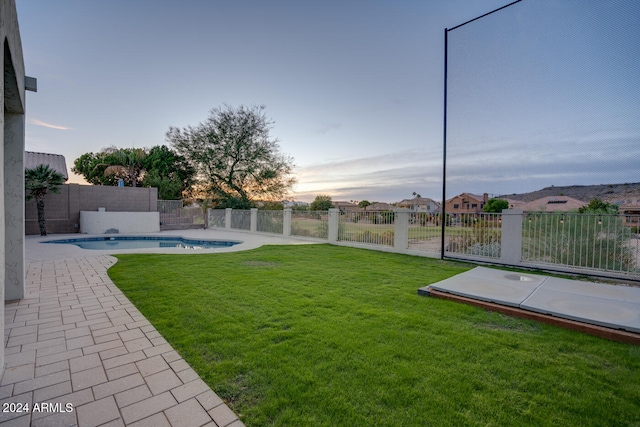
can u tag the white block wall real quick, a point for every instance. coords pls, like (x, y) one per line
(92, 222)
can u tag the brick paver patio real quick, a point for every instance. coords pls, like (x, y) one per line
(80, 354)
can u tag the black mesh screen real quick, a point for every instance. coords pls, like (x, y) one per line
(544, 93)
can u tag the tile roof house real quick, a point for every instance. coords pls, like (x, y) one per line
(553, 204)
(378, 206)
(466, 203)
(345, 206)
(630, 210)
(420, 204)
(55, 161)
(513, 204)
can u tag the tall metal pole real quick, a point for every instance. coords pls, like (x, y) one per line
(443, 210)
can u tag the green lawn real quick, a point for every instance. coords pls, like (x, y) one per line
(320, 335)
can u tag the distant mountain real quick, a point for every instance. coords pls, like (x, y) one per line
(612, 193)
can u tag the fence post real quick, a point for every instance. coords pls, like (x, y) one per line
(254, 220)
(401, 230)
(209, 219)
(511, 239)
(227, 218)
(286, 223)
(334, 219)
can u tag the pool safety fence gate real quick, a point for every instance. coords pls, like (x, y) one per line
(590, 244)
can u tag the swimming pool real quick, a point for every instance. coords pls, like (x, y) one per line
(143, 242)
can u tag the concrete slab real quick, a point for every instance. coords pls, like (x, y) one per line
(612, 306)
(488, 284)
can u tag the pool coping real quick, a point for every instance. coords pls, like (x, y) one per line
(36, 252)
(218, 243)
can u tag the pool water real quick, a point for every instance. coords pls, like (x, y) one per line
(143, 242)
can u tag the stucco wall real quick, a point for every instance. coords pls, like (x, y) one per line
(11, 161)
(62, 211)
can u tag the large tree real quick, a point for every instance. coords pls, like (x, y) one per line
(158, 167)
(364, 203)
(322, 202)
(168, 172)
(92, 166)
(38, 182)
(495, 205)
(110, 165)
(235, 156)
(127, 164)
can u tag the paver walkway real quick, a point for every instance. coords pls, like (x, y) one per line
(77, 345)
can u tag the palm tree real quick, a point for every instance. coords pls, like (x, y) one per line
(124, 163)
(38, 182)
(363, 204)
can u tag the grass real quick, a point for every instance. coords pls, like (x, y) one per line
(320, 335)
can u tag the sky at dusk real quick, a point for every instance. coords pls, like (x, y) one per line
(355, 88)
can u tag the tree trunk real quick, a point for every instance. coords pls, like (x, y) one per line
(41, 223)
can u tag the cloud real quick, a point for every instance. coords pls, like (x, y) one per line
(503, 165)
(325, 128)
(48, 125)
(385, 177)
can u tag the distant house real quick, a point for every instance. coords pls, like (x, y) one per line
(378, 206)
(630, 209)
(466, 203)
(420, 204)
(294, 204)
(631, 216)
(56, 162)
(345, 206)
(553, 204)
(513, 204)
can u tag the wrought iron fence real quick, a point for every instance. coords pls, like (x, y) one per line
(270, 221)
(608, 243)
(477, 234)
(310, 224)
(584, 243)
(369, 227)
(424, 232)
(175, 216)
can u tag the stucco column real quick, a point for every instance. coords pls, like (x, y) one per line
(227, 218)
(334, 219)
(401, 230)
(254, 220)
(286, 223)
(14, 206)
(511, 239)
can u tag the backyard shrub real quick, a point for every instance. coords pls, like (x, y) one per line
(584, 240)
(482, 238)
